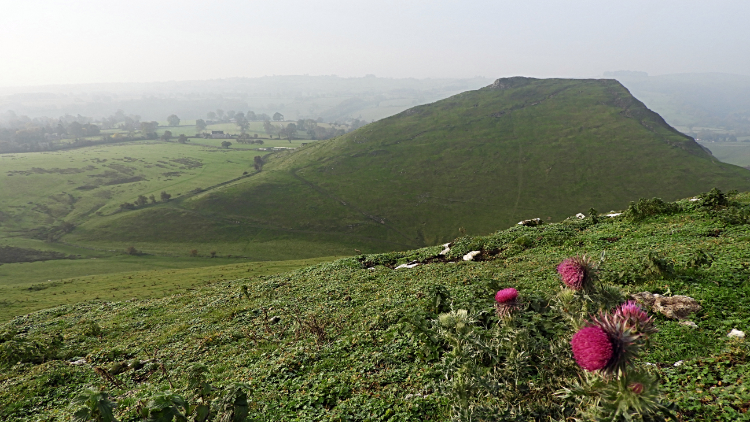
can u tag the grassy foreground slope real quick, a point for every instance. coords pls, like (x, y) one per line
(356, 339)
(27, 287)
(520, 148)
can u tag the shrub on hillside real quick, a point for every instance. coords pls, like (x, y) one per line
(645, 208)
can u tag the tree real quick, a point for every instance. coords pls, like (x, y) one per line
(193, 252)
(269, 128)
(251, 116)
(148, 129)
(152, 198)
(182, 139)
(200, 125)
(230, 114)
(211, 115)
(167, 135)
(242, 122)
(141, 201)
(131, 250)
(220, 114)
(173, 120)
(289, 131)
(165, 196)
(226, 144)
(278, 116)
(75, 129)
(258, 163)
(213, 254)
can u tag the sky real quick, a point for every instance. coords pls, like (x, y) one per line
(45, 42)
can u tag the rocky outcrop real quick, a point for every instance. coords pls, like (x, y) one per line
(674, 307)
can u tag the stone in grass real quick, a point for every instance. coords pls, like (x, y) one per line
(446, 249)
(470, 256)
(674, 307)
(690, 324)
(533, 222)
(735, 333)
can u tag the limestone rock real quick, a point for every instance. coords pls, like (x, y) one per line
(470, 256)
(674, 307)
(533, 222)
(446, 249)
(735, 333)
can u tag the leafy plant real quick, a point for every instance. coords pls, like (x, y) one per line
(164, 407)
(95, 406)
(645, 208)
(233, 406)
(713, 199)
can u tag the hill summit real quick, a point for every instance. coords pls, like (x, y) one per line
(519, 148)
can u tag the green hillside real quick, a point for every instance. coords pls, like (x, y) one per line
(359, 340)
(520, 148)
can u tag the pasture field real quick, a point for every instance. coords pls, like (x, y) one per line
(44, 189)
(44, 195)
(26, 287)
(737, 153)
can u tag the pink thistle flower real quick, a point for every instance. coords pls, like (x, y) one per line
(592, 348)
(634, 316)
(636, 387)
(505, 302)
(506, 295)
(577, 272)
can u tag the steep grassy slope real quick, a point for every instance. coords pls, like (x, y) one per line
(520, 148)
(357, 340)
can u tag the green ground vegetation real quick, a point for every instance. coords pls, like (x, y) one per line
(26, 287)
(358, 339)
(522, 148)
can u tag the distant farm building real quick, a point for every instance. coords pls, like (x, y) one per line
(219, 134)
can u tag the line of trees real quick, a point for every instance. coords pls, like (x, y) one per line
(220, 116)
(143, 200)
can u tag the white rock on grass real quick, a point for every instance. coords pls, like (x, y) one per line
(694, 199)
(679, 362)
(410, 265)
(580, 216)
(446, 249)
(613, 214)
(690, 324)
(735, 333)
(533, 222)
(470, 256)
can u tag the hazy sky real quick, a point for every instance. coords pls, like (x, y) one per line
(92, 41)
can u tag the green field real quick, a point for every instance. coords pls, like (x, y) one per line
(357, 339)
(27, 287)
(41, 192)
(737, 153)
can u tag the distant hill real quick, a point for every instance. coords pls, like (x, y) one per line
(519, 148)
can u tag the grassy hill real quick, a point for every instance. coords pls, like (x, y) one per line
(520, 148)
(357, 339)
